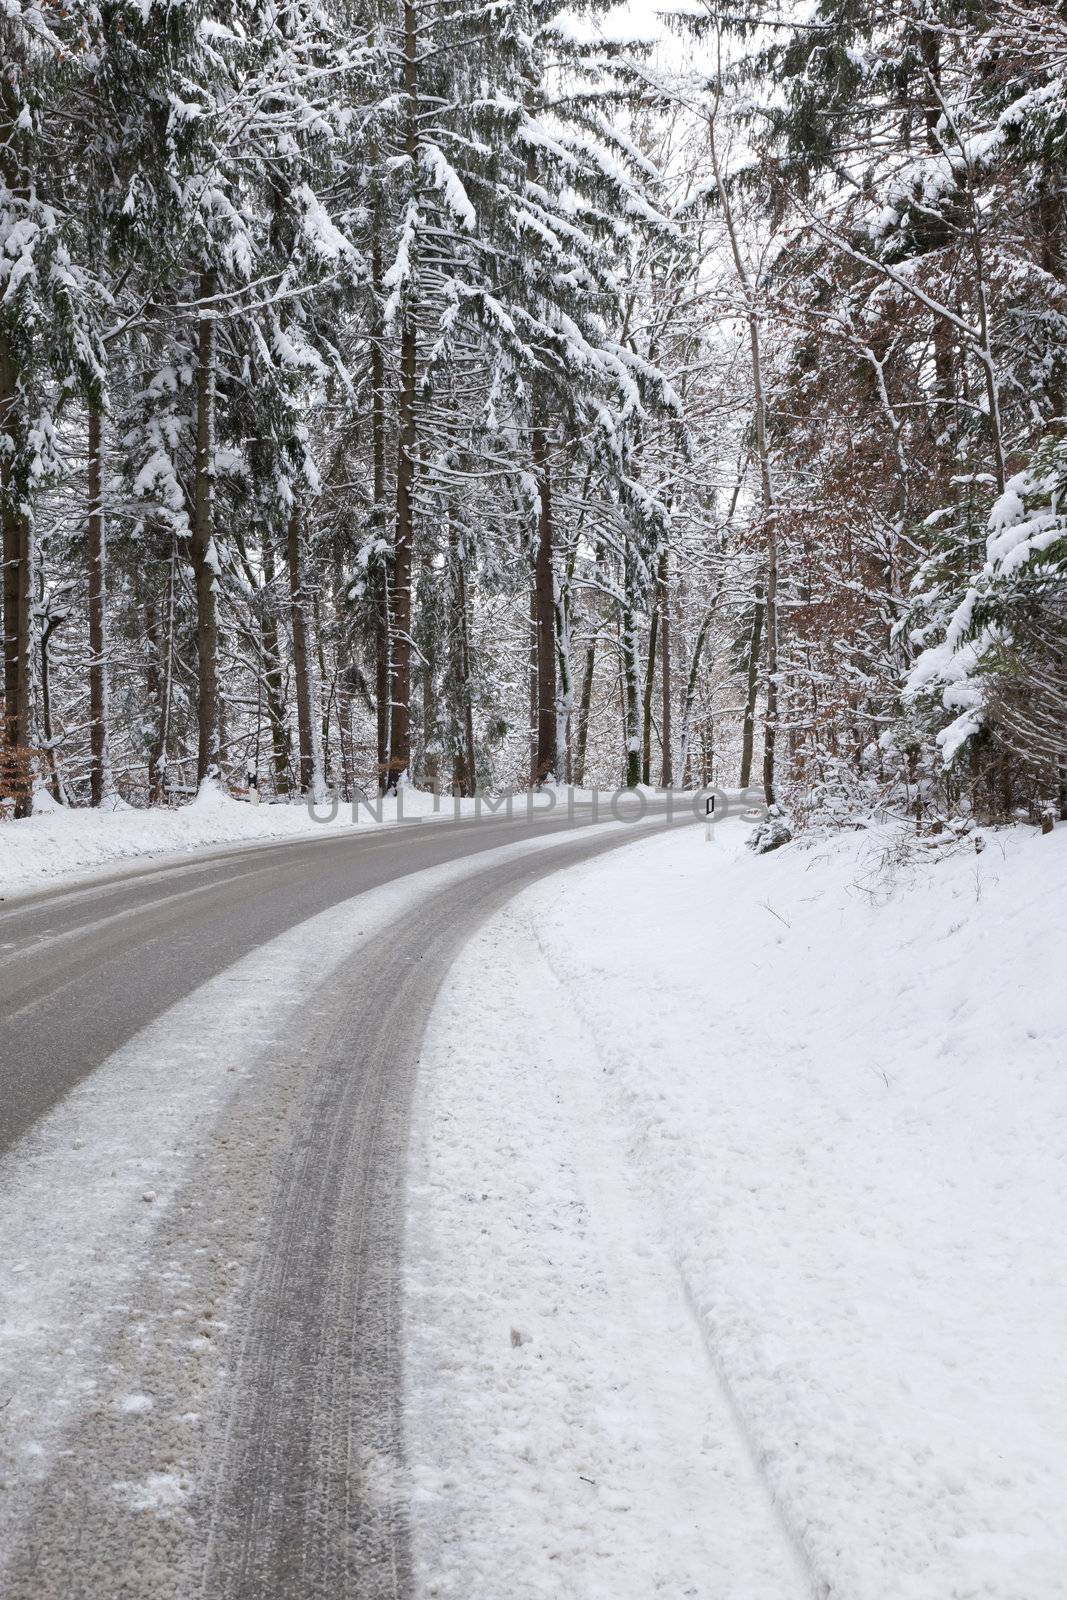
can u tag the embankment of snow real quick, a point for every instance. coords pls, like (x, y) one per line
(60, 842)
(837, 1077)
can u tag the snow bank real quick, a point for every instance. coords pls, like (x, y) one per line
(60, 842)
(832, 1079)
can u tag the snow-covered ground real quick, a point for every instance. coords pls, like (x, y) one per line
(736, 1247)
(58, 843)
(735, 1260)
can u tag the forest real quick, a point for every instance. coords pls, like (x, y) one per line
(480, 394)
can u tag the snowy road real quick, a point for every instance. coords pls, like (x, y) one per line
(713, 1254)
(205, 1073)
(82, 971)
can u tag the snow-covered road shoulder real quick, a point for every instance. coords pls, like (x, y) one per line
(61, 843)
(735, 1256)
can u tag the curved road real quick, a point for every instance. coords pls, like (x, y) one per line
(299, 1491)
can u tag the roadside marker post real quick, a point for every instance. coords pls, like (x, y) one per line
(709, 817)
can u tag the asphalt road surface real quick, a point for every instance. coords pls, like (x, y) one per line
(300, 1490)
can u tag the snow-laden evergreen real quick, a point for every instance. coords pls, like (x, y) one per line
(483, 394)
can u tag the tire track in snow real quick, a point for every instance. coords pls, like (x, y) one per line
(817, 1586)
(588, 1454)
(125, 1318)
(312, 1497)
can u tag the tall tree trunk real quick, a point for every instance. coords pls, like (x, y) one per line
(382, 633)
(301, 662)
(770, 725)
(11, 536)
(380, 574)
(584, 703)
(383, 629)
(666, 771)
(985, 346)
(382, 622)
(658, 637)
(344, 736)
(167, 686)
(748, 726)
(646, 697)
(586, 698)
(631, 691)
(465, 767)
(428, 745)
(55, 780)
(17, 541)
(24, 626)
(205, 556)
(320, 725)
(531, 675)
(99, 774)
(547, 759)
(470, 759)
(344, 692)
(565, 682)
(1050, 216)
(154, 691)
(273, 677)
(400, 619)
(17, 538)
(690, 696)
(770, 537)
(770, 519)
(399, 760)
